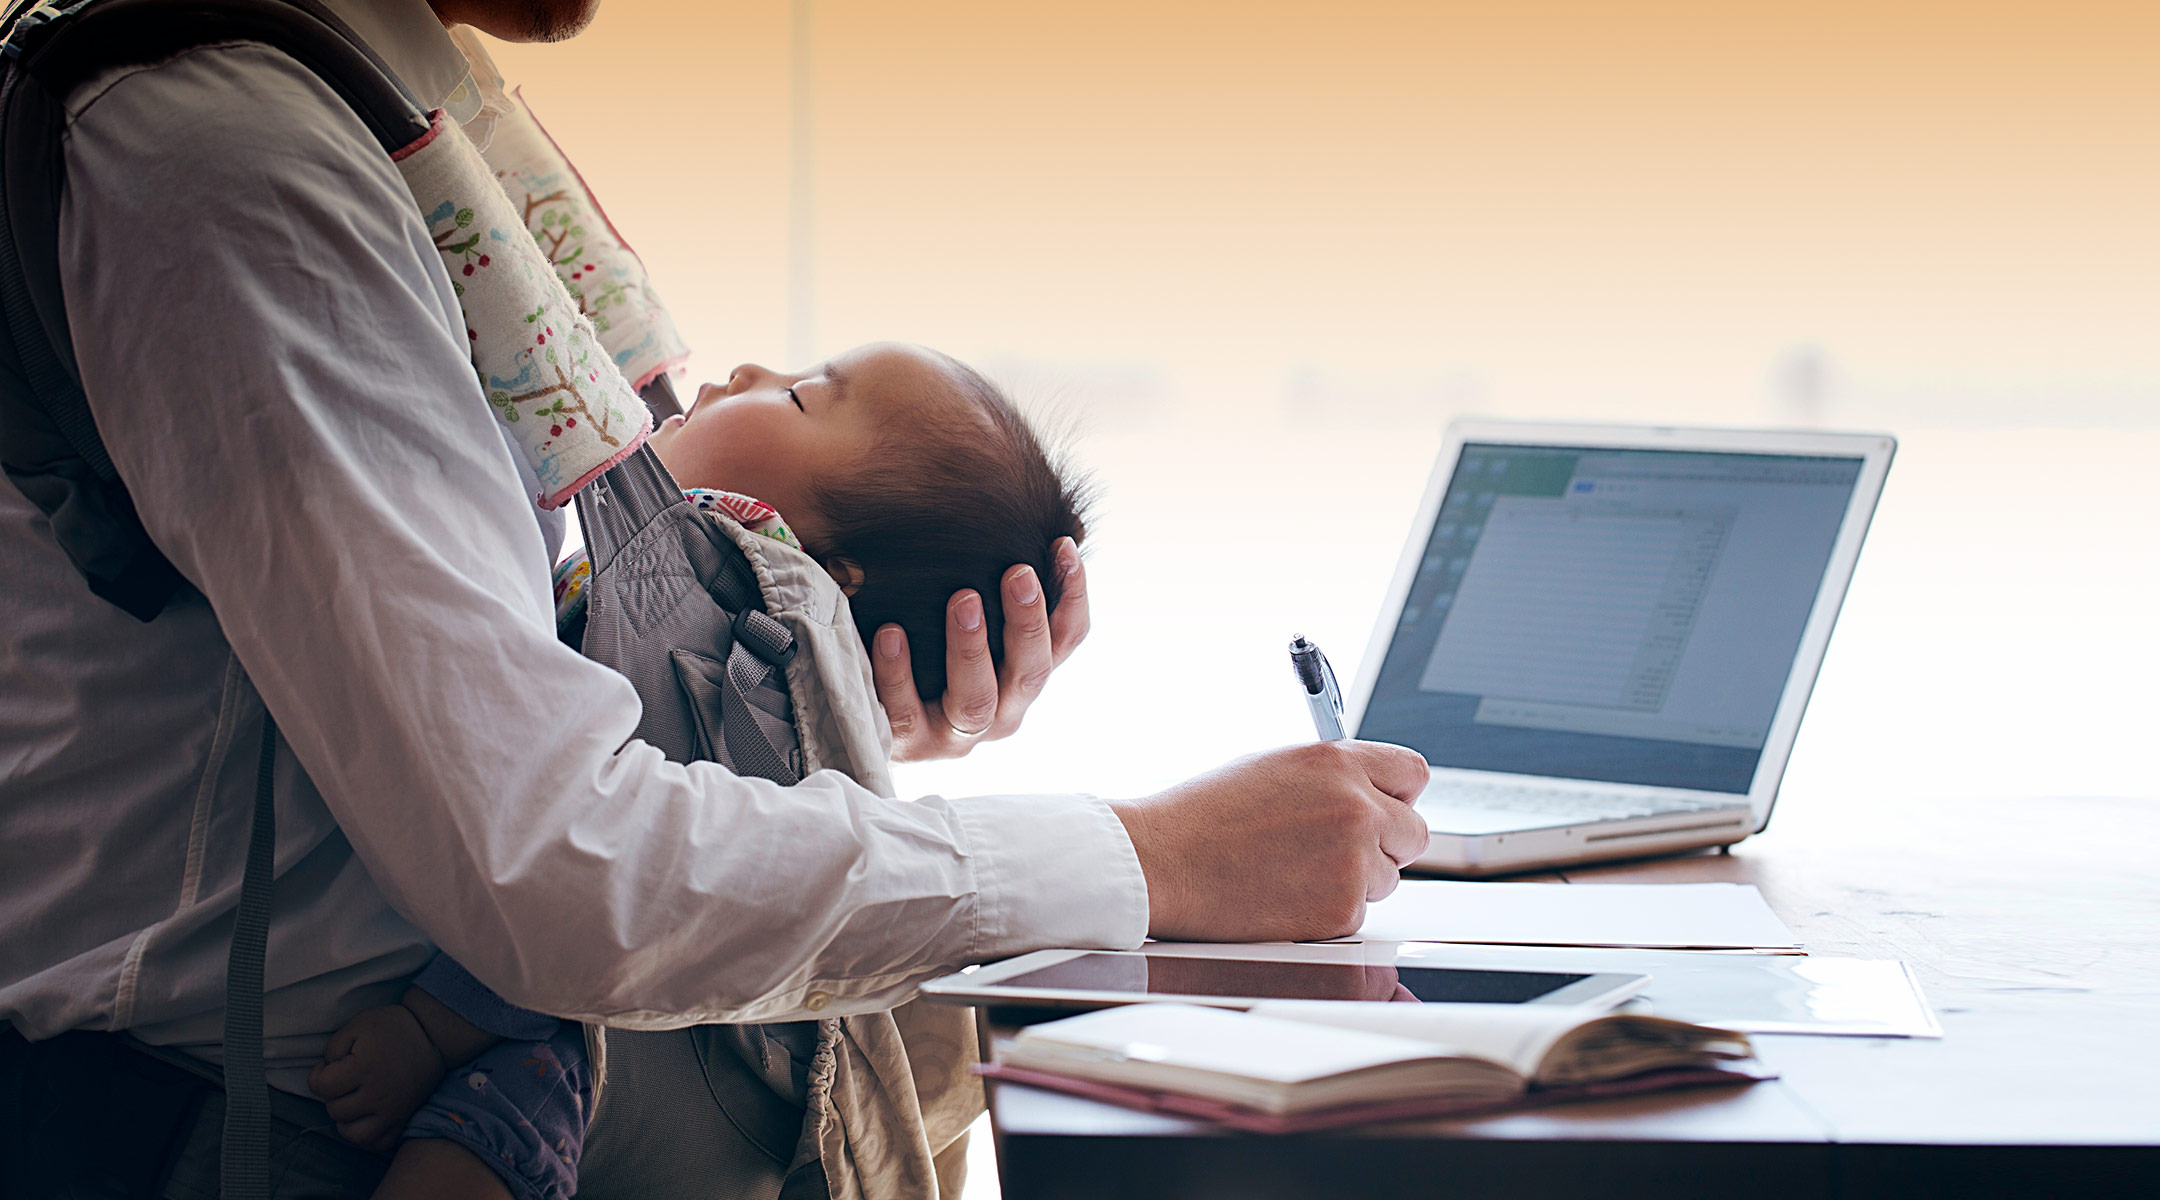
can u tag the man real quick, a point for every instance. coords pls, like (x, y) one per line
(278, 367)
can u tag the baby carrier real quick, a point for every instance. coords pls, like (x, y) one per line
(727, 636)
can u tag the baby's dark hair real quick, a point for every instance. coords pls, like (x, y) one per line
(946, 503)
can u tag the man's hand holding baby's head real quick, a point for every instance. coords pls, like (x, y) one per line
(984, 698)
(923, 490)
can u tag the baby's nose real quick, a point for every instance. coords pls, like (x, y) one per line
(745, 377)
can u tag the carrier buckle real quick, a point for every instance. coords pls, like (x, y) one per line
(771, 641)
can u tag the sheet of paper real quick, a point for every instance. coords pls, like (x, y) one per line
(1671, 916)
(1754, 993)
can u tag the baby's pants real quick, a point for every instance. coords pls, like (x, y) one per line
(522, 1107)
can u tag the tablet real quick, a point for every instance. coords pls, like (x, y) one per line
(1240, 976)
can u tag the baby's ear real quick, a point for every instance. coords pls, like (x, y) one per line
(846, 573)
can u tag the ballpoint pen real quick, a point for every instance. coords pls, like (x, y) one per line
(1322, 695)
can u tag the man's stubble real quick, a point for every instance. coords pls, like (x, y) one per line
(520, 20)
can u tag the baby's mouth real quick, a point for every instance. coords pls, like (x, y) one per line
(709, 393)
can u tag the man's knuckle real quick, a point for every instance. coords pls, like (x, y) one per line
(1031, 682)
(1345, 914)
(1031, 620)
(1329, 756)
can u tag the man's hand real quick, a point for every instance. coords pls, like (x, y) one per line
(982, 703)
(379, 1069)
(1282, 846)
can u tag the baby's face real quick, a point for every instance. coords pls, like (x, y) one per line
(771, 436)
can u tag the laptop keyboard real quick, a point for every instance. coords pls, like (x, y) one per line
(1563, 802)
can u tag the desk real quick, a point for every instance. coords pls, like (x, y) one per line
(1997, 649)
(2032, 925)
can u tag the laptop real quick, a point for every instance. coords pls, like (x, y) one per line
(1603, 637)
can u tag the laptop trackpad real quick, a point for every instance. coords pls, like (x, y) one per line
(1471, 822)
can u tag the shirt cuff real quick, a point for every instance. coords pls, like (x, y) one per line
(469, 998)
(1051, 872)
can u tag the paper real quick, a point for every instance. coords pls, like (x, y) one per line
(1672, 916)
(1753, 993)
(1184, 1037)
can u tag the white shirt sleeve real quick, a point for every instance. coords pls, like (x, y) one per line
(277, 364)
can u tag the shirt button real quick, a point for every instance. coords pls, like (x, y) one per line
(816, 1001)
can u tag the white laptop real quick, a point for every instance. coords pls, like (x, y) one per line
(1602, 637)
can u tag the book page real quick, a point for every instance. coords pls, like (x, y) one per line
(1513, 1035)
(1190, 1038)
(1549, 1045)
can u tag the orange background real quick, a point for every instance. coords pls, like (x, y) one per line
(1260, 252)
(1383, 212)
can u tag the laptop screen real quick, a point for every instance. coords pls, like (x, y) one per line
(1629, 616)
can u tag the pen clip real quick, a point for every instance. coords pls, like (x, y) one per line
(1328, 685)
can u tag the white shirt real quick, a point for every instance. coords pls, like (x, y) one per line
(276, 362)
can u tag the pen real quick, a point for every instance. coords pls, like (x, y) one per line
(1322, 695)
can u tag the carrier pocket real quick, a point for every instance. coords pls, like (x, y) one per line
(740, 712)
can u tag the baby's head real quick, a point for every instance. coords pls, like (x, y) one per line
(905, 473)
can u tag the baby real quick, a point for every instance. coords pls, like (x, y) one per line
(909, 477)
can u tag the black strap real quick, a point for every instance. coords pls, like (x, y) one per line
(49, 443)
(244, 1158)
(63, 53)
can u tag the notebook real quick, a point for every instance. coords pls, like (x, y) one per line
(1315, 1064)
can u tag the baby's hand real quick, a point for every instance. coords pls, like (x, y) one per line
(380, 1068)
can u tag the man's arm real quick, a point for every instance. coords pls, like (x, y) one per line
(278, 367)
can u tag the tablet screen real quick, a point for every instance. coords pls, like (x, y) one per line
(1164, 975)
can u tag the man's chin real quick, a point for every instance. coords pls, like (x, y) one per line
(559, 20)
(522, 20)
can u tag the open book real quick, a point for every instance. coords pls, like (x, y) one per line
(1315, 1064)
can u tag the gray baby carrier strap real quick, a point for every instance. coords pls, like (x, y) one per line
(675, 606)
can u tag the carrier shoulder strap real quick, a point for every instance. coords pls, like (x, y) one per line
(49, 442)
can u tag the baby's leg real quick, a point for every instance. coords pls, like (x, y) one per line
(434, 1169)
(512, 1119)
